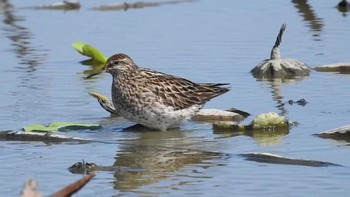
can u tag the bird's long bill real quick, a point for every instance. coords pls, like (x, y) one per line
(95, 73)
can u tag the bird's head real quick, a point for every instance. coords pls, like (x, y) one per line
(118, 63)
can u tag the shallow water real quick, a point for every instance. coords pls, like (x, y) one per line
(204, 41)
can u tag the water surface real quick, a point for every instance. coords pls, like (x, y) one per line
(204, 41)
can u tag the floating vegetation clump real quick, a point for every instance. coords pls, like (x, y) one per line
(265, 121)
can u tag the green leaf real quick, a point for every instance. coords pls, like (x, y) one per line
(94, 69)
(78, 46)
(89, 51)
(60, 126)
(39, 128)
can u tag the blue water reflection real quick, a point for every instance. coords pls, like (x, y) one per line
(204, 41)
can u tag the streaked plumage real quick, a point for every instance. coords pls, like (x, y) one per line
(154, 99)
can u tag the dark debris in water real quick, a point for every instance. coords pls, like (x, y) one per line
(82, 167)
(240, 112)
(301, 102)
(343, 6)
(276, 159)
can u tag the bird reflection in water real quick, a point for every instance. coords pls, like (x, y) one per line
(22, 97)
(315, 23)
(160, 155)
(20, 37)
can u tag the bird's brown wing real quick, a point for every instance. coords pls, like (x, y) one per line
(178, 92)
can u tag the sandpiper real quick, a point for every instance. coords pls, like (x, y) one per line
(155, 99)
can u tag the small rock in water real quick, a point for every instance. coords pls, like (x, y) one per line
(342, 67)
(47, 137)
(276, 159)
(217, 115)
(340, 133)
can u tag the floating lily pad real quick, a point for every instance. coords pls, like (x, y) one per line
(60, 126)
(89, 51)
(39, 127)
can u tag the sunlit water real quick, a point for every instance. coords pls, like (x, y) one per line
(205, 41)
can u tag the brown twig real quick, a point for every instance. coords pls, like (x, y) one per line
(74, 187)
